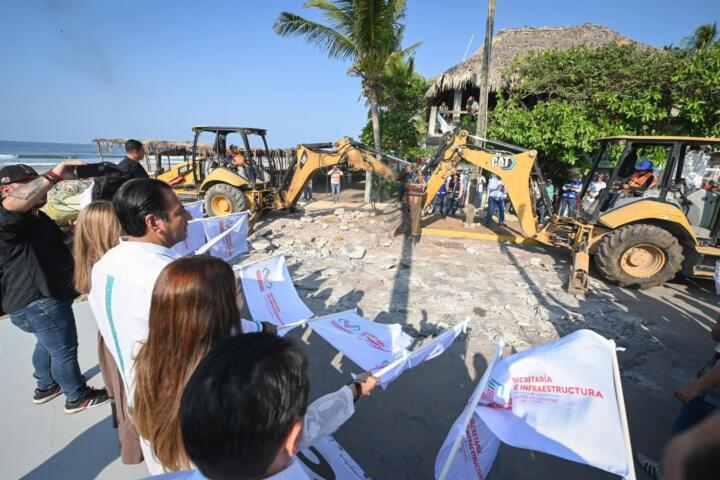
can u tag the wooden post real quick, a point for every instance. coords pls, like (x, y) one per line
(487, 55)
(457, 105)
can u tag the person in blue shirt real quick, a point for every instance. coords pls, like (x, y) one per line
(570, 191)
(439, 201)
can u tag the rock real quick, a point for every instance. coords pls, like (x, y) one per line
(536, 262)
(372, 241)
(344, 227)
(371, 222)
(471, 250)
(261, 245)
(329, 218)
(361, 214)
(298, 225)
(325, 226)
(353, 251)
(386, 242)
(339, 211)
(306, 219)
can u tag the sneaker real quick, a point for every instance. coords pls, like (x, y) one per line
(46, 394)
(90, 398)
(651, 467)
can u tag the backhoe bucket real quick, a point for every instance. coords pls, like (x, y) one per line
(577, 283)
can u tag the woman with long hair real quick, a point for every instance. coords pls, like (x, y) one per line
(97, 230)
(194, 306)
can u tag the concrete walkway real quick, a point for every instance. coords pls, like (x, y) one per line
(41, 441)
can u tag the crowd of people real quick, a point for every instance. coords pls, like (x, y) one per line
(193, 388)
(235, 402)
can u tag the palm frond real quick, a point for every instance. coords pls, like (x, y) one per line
(328, 40)
(340, 14)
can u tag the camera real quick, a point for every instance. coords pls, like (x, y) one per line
(93, 170)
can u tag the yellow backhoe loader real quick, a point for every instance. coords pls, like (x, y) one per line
(269, 180)
(638, 236)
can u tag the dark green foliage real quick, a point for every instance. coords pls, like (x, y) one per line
(562, 100)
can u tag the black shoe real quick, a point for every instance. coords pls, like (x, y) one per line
(90, 398)
(46, 394)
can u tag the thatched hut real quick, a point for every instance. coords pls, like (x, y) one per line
(455, 85)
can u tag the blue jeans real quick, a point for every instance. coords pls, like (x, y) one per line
(307, 193)
(55, 356)
(567, 207)
(495, 203)
(438, 203)
(692, 413)
(335, 191)
(452, 207)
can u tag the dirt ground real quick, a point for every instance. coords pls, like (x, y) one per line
(339, 259)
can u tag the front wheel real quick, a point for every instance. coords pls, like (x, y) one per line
(639, 255)
(222, 199)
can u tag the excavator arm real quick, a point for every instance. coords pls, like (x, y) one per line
(513, 169)
(311, 158)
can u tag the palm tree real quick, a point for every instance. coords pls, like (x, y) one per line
(365, 32)
(704, 35)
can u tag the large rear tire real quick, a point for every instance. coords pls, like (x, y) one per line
(222, 199)
(639, 255)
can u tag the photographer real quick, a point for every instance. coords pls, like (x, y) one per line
(36, 272)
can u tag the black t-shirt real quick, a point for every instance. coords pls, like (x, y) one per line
(132, 169)
(34, 261)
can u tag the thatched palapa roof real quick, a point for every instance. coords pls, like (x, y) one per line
(152, 146)
(512, 42)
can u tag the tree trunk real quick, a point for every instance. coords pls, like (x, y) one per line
(375, 117)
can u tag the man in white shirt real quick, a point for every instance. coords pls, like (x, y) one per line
(245, 411)
(496, 200)
(122, 280)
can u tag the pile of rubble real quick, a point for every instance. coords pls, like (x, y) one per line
(341, 258)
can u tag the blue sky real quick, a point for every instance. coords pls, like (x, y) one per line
(73, 70)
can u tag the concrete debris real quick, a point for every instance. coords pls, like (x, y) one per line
(261, 245)
(353, 251)
(307, 219)
(339, 212)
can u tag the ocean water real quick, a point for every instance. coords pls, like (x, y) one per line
(41, 154)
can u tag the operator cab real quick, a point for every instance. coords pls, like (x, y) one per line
(243, 151)
(683, 171)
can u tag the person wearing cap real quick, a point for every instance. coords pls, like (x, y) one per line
(130, 165)
(642, 179)
(36, 283)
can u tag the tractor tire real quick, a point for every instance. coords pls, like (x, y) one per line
(639, 255)
(222, 199)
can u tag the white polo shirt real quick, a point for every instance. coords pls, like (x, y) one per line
(122, 285)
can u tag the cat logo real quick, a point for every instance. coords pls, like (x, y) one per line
(504, 163)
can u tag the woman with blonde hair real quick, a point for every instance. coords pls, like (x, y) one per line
(194, 306)
(97, 230)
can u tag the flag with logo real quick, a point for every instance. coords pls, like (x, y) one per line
(427, 352)
(227, 235)
(475, 454)
(562, 398)
(326, 459)
(195, 238)
(371, 345)
(270, 293)
(195, 209)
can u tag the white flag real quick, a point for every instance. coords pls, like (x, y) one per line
(470, 447)
(371, 345)
(270, 293)
(326, 459)
(195, 209)
(560, 398)
(227, 235)
(195, 238)
(427, 352)
(476, 453)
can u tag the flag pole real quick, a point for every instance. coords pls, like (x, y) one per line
(300, 323)
(471, 411)
(623, 414)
